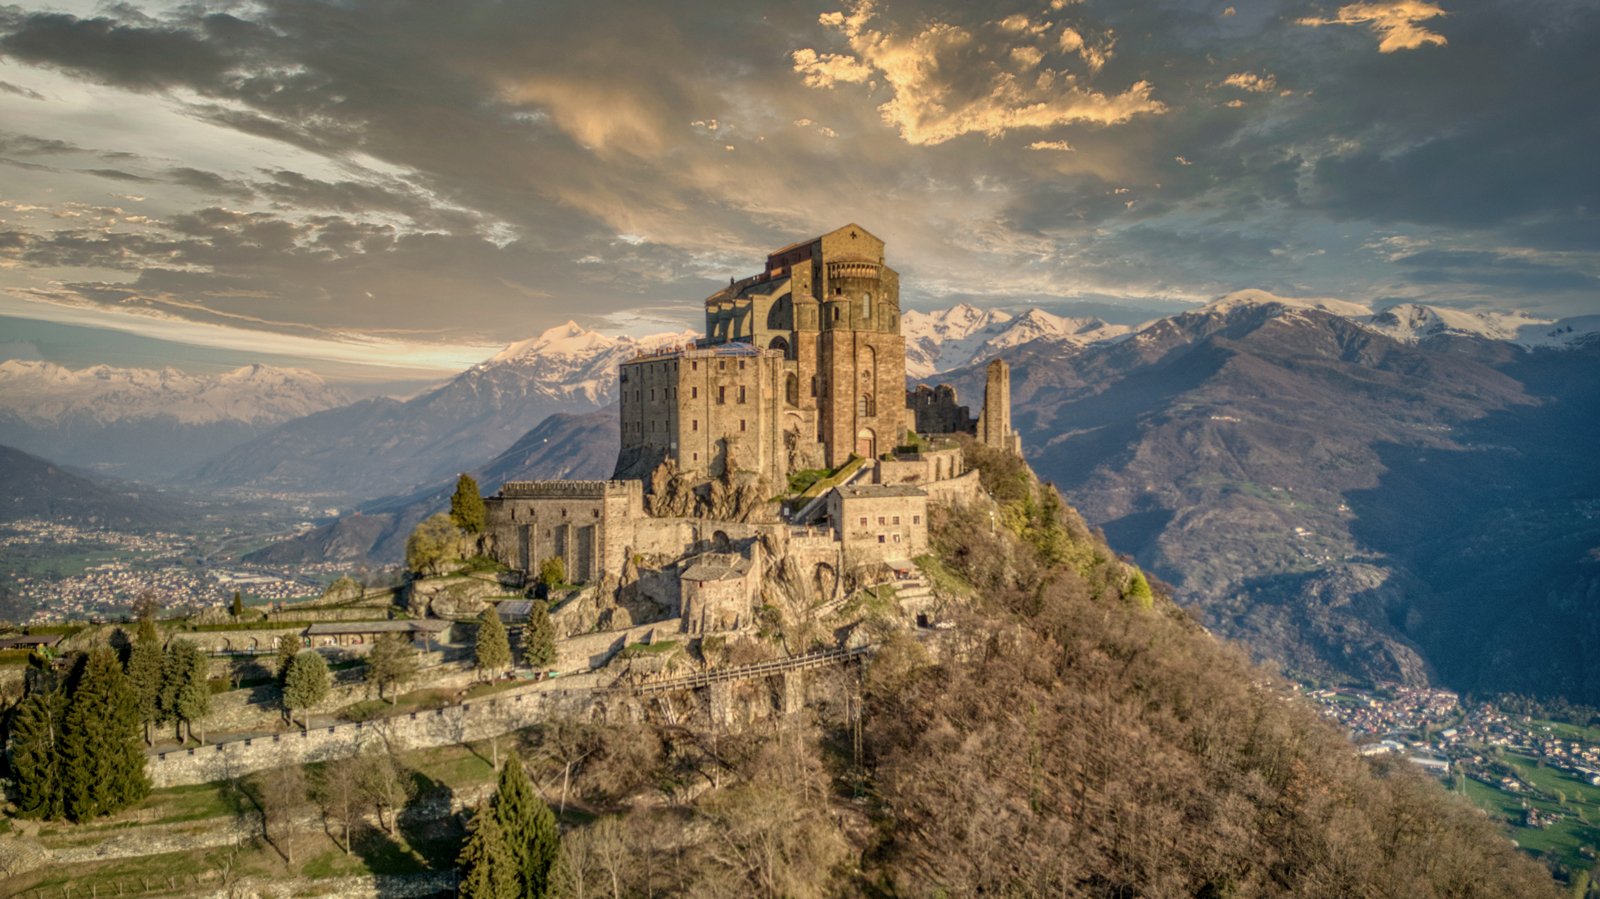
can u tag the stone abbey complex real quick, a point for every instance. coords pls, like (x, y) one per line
(780, 452)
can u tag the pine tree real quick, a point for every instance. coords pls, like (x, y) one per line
(306, 684)
(288, 648)
(488, 869)
(530, 828)
(102, 767)
(144, 673)
(185, 695)
(466, 506)
(493, 649)
(36, 753)
(539, 638)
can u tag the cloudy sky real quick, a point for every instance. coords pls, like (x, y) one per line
(411, 184)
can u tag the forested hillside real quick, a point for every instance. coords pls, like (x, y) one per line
(1078, 736)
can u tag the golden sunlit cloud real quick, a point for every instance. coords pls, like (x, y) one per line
(1250, 81)
(1051, 145)
(1396, 21)
(945, 81)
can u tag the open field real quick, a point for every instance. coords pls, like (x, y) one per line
(1564, 840)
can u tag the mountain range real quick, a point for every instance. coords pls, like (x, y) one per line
(1402, 494)
(1345, 492)
(962, 335)
(383, 447)
(148, 423)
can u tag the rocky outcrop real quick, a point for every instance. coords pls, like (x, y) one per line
(456, 597)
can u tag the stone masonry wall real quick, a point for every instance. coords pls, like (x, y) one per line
(473, 720)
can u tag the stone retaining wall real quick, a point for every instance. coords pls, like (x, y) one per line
(476, 719)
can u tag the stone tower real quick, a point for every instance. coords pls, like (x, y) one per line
(832, 308)
(994, 423)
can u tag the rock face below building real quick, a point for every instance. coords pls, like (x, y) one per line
(802, 369)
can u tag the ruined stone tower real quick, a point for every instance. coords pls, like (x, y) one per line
(994, 422)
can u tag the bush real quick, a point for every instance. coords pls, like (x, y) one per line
(435, 541)
(552, 572)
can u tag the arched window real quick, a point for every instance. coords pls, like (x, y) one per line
(791, 389)
(866, 305)
(866, 406)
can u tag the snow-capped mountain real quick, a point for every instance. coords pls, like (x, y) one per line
(379, 447)
(1414, 322)
(146, 423)
(575, 363)
(42, 393)
(962, 335)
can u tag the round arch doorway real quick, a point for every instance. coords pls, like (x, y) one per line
(866, 443)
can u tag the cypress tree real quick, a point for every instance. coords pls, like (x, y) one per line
(466, 506)
(488, 870)
(539, 638)
(36, 753)
(237, 607)
(530, 827)
(493, 648)
(306, 684)
(144, 673)
(288, 648)
(102, 768)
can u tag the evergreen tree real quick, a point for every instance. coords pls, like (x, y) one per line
(288, 648)
(539, 638)
(36, 753)
(466, 506)
(237, 607)
(144, 673)
(306, 684)
(488, 869)
(185, 695)
(102, 767)
(391, 663)
(493, 648)
(530, 828)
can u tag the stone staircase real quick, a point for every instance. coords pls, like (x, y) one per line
(914, 589)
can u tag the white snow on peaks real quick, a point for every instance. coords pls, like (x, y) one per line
(1413, 322)
(571, 363)
(962, 335)
(570, 339)
(1245, 298)
(46, 393)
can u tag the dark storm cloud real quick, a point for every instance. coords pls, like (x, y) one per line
(110, 51)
